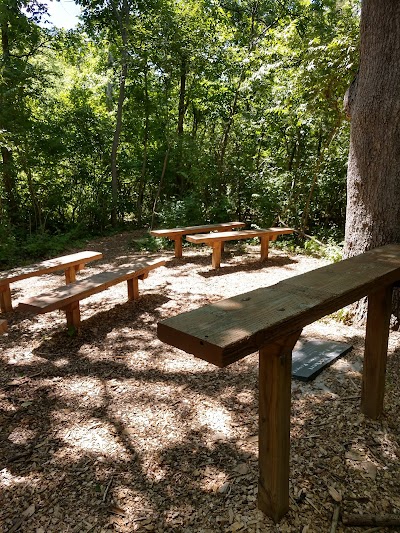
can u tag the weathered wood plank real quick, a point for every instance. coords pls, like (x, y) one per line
(375, 355)
(229, 330)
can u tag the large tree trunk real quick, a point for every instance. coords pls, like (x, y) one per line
(373, 104)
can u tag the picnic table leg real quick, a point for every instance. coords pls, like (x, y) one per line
(133, 288)
(216, 254)
(5, 298)
(73, 313)
(70, 275)
(274, 426)
(375, 355)
(178, 246)
(264, 247)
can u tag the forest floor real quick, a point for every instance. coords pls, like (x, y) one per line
(115, 431)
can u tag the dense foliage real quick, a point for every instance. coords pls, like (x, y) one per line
(162, 112)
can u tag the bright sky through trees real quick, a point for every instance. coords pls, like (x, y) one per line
(63, 14)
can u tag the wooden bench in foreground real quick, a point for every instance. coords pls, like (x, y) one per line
(270, 320)
(71, 264)
(216, 240)
(176, 234)
(68, 297)
(3, 326)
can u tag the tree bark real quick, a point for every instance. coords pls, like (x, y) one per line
(373, 105)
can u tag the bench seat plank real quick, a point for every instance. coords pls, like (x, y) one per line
(226, 331)
(206, 238)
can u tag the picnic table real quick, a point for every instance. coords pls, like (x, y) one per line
(270, 320)
(71, 264)
(176, 234)
(216, 240)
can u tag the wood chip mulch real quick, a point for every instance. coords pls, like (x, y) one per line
(114, 431)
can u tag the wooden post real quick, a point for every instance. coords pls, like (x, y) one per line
(178, 246)
(70, 275)
(264, 247)
(3, 326)
(5, 298)
(376, 344)
(73, 313)
(274, 426)
(133, 288)
(216, 254)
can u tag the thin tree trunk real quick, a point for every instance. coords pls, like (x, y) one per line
(142, 183)
(8, 170)
(159, 187)
(317, 168)
(123, 19)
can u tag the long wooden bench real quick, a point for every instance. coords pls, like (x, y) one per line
(68, 297)
(176, 234)
(270, 320)
(71, 264)
(3, 326)
(216, 240)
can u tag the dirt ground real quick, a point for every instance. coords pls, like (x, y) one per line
(115, 431)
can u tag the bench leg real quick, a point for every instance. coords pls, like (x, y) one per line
(274, 426)
(70, 275)
(133, 288)
(5, 299)
(178, 246)
(376, 344)
(264, 247)
(216, 254)
(73, 313)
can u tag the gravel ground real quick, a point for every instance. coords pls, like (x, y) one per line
(114, 431)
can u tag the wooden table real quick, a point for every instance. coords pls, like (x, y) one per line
(216, 240)
(176, 234)
(270, 320)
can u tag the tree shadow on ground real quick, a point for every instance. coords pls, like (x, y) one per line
(115, 428)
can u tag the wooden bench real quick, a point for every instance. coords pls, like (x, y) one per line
(216, 240)
(68, 297)
(3, 326)
(71, 264)
(176, 234)
(270, 320)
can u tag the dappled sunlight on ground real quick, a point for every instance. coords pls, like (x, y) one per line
(114, 431)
